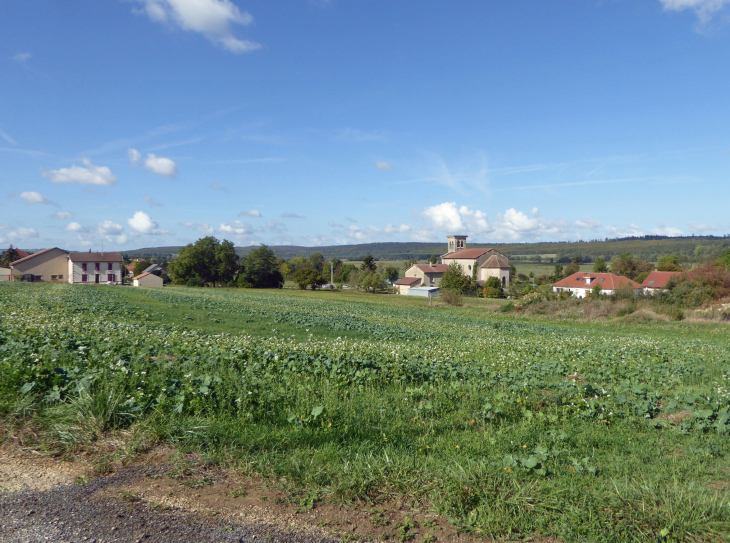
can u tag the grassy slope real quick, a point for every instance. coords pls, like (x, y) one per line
(463, 445)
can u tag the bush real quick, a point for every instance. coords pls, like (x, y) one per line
(507, 307)
(194, 282)
(492, 288)
(451, 297)
(455, 280)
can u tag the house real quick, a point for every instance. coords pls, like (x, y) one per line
(429, 274)
(129, 268)
(405, 284)
(473, 261)
(580, 284)
(657, 281)
(47, 265)
(147, 279)
(85, 268)
(5, 273)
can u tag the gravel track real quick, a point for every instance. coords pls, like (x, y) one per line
(81, 514)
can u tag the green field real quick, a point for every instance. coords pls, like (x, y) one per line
(513, 428)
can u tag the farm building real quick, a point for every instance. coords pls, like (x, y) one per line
(46, 265)
(424, 292)
(429, 274)
(4, 273)
(580, 284)
(405, 284)
(85, 268)
(657, 281)
(147, 279)
(480, 264)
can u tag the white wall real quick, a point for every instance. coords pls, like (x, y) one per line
(76, 271)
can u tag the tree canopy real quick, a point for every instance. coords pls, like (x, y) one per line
(207, 260)
(454, 279)
(9, 256)
(260, 269)
(368, 263)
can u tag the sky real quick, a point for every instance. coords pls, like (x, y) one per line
(144, 123)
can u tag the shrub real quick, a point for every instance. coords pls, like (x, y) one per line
(451, 297)
(454, 279)
(194, 282)
(492, 288)
(506, 308)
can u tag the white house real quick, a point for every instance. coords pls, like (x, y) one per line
(405, 284)
(657, 281)
(580, 284)
(86, 268)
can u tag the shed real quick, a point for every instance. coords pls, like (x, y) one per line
(424, 292)
(147, 280)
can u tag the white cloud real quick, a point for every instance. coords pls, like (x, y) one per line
(63, 215)
(160, 165)
(664, 230)
(291, 216)
(203, 228)
(211, 18)
(109, 228)
(90, 175)
(18, 234)
(22, 57)
(144, 224)
(31, 197)
(335, 224)
(4, 135)
(632, 230)
(250, 213)
(74, 227)
(85, 242)
(383, 166)
(150, 201)
(705, 9)
(217, 187)
(589, 223)
(392, 229)
(276, 226)
(134, 156)
(449, 218)
(239, 228)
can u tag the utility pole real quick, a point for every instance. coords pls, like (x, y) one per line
(332, 273)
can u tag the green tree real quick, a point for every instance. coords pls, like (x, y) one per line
(9, 256)
(370, 281)
(668, 263)
(141, 266)
(207, 261)
(391, 273)
(316, 261)
(408, 263)
(368, 263)
(454, 279)
(309, 277)
(260, 268)
(433, 260)
(573, 267)
(596, 292)
(493, 288)
(285, 269)
(724, 260)
(599, 265)
(558, 272)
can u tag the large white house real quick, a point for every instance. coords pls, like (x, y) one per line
(95, 268)
(581, 284)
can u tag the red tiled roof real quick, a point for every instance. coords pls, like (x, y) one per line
(659, 279)
(408, 281)
(96, 257)
(432, 268)
(495, 261)
(34, 255)
(467, 253)
(608, 281)
(142, 275)
(21, 253)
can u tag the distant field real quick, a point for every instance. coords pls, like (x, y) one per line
(510, 427)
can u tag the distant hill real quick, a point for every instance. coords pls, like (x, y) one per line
(693, 248)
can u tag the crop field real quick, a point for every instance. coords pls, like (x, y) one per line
(512, 428)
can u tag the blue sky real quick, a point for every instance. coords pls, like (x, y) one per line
(138, 123)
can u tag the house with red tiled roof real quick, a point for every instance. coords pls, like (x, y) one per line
(657, 281)
(580, 284)
(429, 275)
(480, 264)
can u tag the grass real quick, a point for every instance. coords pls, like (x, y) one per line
(512, 426)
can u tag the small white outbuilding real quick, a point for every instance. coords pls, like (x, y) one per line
(147, 280)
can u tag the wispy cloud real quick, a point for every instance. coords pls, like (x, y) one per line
(22, 57)
(4, 135)
(383, 166)
(704, 9)
(203, 228)
(213, 19)
(357, 136)
(150, 201)
(217, 187)
(286, 215)
(32, 197)
(63, 215)
(250, 213)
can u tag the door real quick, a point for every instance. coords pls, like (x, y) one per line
(96, 278)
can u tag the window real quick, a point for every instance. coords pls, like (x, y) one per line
(109, 267)
(53, 277)
(651, 282)
(83, 277)
(60, 276)
(110, 277)
(602, 280)
(578, 278)
(96, 266)
(83, 266)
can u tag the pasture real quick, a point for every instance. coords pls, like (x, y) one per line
(512, 428)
